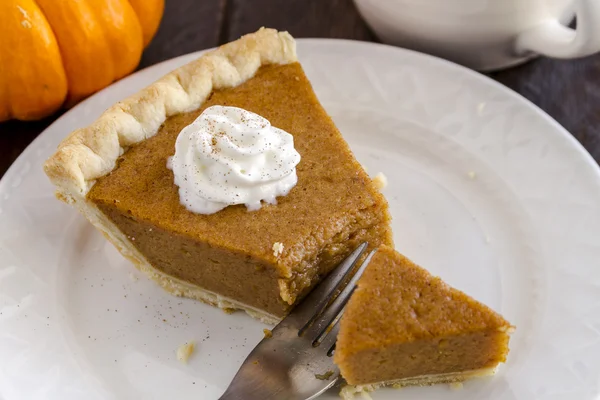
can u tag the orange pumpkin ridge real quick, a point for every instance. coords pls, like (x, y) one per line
(149, 13)
(123, 33)
(88, 51)
(33, 83)
(57, 52)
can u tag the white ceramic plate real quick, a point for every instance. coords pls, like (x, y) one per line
(485, 190)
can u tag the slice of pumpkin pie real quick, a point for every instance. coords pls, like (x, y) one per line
(225, 181)
(403, 326)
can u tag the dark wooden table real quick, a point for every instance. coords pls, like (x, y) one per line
(567, 90)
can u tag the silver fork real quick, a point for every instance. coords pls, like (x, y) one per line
(296, 362)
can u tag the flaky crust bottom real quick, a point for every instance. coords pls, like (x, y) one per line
(181, 288)
(173, 285)
(348, 392)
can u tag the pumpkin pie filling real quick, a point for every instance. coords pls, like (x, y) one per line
(404, 326)
(333, 207)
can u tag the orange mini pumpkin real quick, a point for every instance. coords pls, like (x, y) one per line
(56, 51)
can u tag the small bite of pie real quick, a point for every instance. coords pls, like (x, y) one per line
(403, 326)
(118, 173)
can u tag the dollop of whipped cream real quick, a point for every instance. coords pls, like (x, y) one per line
(229, 156)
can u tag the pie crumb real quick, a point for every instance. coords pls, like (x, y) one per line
(507, 329)
(455, 385)
(348, 392)
(277, 249)
(480, 108)
(472, 175)
(380, 181)
(185, 351)
(268, 333)
(325, 376)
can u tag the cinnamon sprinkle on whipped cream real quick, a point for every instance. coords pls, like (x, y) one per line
(230, 156)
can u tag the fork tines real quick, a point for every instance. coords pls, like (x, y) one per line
(295, 362)
(323, 307)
